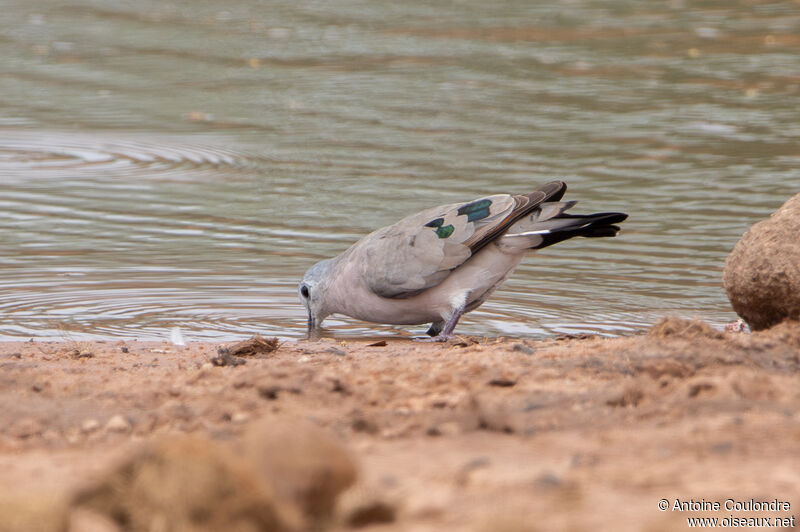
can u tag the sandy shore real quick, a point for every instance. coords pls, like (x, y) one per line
(483, 434)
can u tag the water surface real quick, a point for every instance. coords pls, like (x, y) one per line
(170, 164)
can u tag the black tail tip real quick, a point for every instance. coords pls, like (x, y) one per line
(600, 231)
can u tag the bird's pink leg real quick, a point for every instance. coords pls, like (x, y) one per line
(449, 326)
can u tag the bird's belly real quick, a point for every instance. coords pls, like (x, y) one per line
(481, 275)
(408, 311)
(470, 284)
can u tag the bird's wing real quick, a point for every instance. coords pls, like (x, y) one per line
(421, 250)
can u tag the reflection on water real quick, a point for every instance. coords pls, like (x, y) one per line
(182, 163)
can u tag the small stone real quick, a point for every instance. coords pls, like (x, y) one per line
(269, 392)
(338, 386)
(522, 348)
(207, 365)
(360, 423)
(240, 417)
(72, 435)
(502, 382)
(118, 423)
(225, 358)
(90, 425)
(548, 480)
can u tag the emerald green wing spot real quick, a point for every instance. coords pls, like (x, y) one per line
(441, 231)
(444, 232)
(477, 210)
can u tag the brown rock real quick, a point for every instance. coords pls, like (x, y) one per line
(225, 358)
(118, 423)
(762, 273)
(187, 483)
(256, 345)
(303, 462)
(90, 425)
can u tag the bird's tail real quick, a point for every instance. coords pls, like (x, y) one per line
(549, 224)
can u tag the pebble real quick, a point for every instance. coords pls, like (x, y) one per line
(522, 348)
(90, 425)
(240, 417)
(118, 423)
(72, 435)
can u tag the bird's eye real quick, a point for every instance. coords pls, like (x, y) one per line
(304, 291)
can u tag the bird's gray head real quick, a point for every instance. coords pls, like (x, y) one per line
(312, 293)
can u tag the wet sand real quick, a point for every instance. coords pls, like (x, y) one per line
(479, 434)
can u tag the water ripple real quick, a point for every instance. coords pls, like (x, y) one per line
(150, 180)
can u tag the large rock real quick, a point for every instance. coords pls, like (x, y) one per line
(187, 483)
(762, 273)
(285, 475)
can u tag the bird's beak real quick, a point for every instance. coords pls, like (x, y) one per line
(313, 328)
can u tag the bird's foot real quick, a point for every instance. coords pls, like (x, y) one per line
(452, 339)
(439, 338)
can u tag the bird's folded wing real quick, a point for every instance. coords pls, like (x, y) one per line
(420, 251)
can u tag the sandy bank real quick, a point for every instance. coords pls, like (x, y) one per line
(497, 434)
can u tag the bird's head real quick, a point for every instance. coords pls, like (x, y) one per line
(312, 290)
